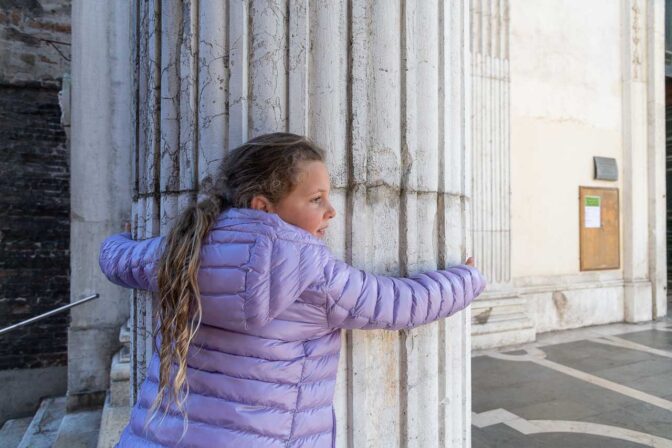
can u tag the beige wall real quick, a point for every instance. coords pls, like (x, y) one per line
(565, 108)
(586, 80)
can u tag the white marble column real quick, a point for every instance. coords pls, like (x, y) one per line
(643, 203)
(383, 87)
(655, 47)
(638, 295)
(499, 317)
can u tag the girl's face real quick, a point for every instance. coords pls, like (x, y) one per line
(307, 206)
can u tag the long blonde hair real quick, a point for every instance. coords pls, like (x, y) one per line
(267, 165)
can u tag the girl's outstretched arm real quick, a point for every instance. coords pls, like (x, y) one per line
(131, 263)
(358, 299)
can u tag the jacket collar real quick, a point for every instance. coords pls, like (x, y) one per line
(252, 216)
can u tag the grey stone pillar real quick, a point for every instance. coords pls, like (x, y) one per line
(383, 87)
(100, 189)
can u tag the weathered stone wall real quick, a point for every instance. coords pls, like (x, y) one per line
(34, 41)
(34, 181)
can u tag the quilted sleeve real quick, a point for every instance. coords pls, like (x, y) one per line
(130, 263)
(358, 299)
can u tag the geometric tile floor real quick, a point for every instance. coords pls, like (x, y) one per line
(607, 386)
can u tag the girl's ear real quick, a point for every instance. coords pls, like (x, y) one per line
(260, 202)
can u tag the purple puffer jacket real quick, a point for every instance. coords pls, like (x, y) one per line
(263, 364)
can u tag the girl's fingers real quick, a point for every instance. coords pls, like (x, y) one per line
(470, 261)
(127, 227)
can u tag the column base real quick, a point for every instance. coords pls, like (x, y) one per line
(638, 301)
(498, 320)
(79, 401)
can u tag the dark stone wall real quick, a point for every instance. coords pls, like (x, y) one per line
(34, 181)
(34, 226)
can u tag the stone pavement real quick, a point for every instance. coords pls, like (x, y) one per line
(607, 386)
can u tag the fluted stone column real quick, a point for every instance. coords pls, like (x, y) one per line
(655, 40)
(644, 257)
(500, 315)
(383, 87)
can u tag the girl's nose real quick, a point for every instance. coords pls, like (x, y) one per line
(331, 212)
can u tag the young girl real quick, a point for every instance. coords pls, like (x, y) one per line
(251, 303)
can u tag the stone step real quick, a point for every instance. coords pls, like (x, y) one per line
(120, 373)
(79, 429)
(500, 317)
(497, 302)
(113, 422)
(44, 425)
(125, 334)
(484, 315)
(504, 305)
(517, 321)
(497, 327)
(12, 431)
(501, 338)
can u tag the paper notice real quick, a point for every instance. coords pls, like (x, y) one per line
(592, 212)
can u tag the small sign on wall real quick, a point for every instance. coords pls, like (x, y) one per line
(592, 212)
(605, 168)
(599, 228)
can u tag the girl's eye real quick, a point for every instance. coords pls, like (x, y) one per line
(317, 199)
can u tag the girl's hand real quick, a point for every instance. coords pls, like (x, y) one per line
(127, 227)
(470, 261)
